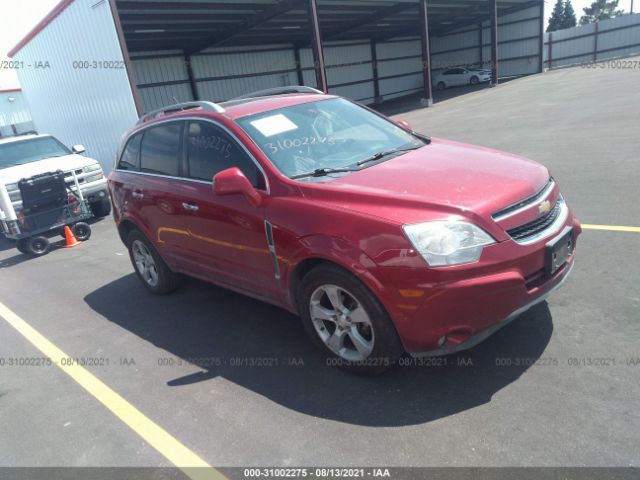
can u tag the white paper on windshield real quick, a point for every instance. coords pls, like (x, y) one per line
(274, 125)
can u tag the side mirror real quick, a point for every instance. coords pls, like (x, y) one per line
(232, 181)
(78, 149)
(404, 125)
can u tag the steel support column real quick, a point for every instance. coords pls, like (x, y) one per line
(316, 47)
(192, 79)
(541, 32)
(595, 41)
(299, 73)
(133, 84)
(376, 75)
(480, 45)
(426, 54)
(493, 14)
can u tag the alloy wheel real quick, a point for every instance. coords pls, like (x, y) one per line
(341, 322)
(145, 263)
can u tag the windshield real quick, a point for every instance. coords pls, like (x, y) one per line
(325, 135)
(31, 150)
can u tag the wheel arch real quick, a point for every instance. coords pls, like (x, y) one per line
(350, 259)
(125, 227)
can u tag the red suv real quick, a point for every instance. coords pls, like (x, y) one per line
(381, 239)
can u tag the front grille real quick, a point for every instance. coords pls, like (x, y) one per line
(538, 225)
(526, 203)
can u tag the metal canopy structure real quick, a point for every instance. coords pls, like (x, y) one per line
(194, 25)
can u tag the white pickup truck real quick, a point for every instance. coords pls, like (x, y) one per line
(24, 156)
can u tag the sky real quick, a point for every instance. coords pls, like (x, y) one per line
(20, 16)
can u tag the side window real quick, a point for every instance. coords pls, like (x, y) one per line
(161, 146)
(449, 72)
(211, 150)
(130, 159)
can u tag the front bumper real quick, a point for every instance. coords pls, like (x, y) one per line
(442, 311)
(457, 346)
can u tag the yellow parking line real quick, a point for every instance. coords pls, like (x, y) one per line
(611, 228)
(191, 464)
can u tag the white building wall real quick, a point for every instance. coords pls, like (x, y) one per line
(93, 105)
(399, 67)
(518, 44)
(14, 111)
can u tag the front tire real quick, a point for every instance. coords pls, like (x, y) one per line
(347, 321)
(441, 85)
(38, 246)
(474, 80)
(82, 231)
(152, 271)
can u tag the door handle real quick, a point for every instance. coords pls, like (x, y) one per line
(191, 207)
(137, 194)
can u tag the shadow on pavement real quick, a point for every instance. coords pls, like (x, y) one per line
(226, 330)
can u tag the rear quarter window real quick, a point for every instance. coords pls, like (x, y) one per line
(130, 159)
(160, 151)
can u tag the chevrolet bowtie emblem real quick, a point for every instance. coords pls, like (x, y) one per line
(544, 207)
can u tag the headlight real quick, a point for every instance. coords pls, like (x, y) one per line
(448, 243)
(92, 168)
(94, 178)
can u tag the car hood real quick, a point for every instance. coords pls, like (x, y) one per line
(444, 177)
(64, 163)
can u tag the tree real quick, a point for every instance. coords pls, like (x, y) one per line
(557, 17)
(568, 15)
(600, 10)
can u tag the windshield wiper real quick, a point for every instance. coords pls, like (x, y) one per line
(381, 155)
(323, 172)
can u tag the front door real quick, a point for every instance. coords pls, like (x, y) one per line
(226, 233)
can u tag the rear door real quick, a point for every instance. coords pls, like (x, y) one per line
(157, 194)
(227, 234)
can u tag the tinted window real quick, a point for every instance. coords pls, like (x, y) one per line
(130, 159)
(161, 149)
(211, 150)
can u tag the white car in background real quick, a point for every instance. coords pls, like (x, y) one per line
(460, 76)
(24, 156)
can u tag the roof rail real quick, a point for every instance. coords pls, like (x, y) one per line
(279, 91)
(179, 107)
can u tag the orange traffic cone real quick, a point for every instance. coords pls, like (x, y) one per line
(72, 241)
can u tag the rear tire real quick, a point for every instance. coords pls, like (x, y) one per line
(152, 271)
(347, 321)
(101, 208)
(38, 246)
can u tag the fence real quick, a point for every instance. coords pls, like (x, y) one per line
(613, 38)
